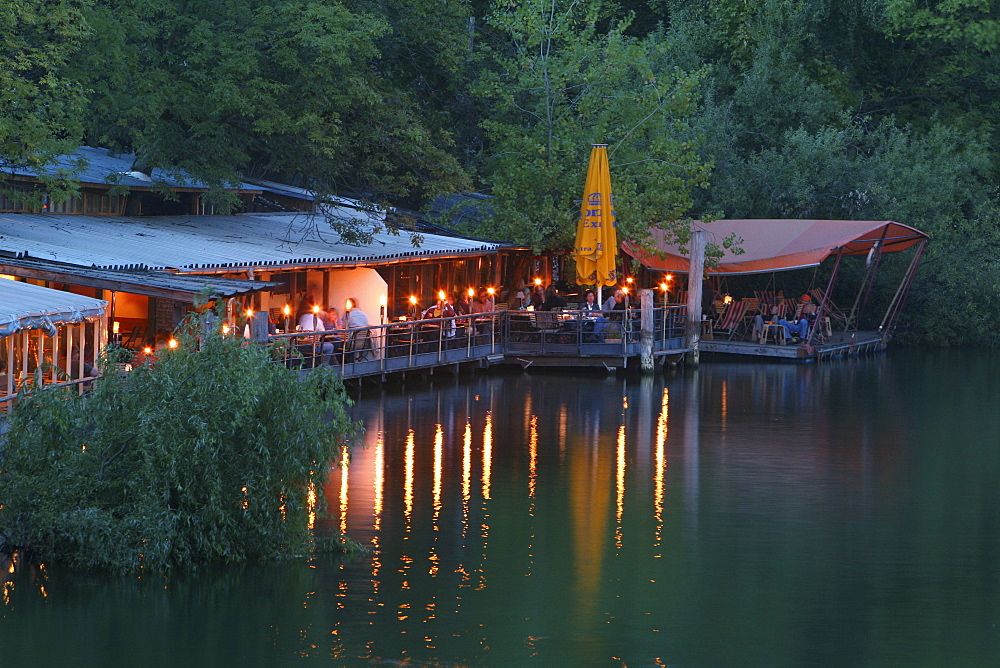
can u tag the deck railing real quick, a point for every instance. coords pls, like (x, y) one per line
(419, 344)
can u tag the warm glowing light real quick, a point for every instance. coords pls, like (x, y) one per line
(413, 300)
(441, 295)
(538, 281)
(727, 299)
(382, 300)
(225, 329)
(487, 455)
(490, 291)
(287, 310)
(147, 350)
(472, 292)
(348, 304)
(625, 289)
(249, 312)
(408, 463)
(172, 343)
(114, 327)
(663, 286)
(670, 277)
(438, 470)
(629, 280)
(316, 308)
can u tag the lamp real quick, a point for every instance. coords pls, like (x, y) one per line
(288, 312)
(382, 299)
(172, 343)
(472, 293)
(315, 317)
(538, 281)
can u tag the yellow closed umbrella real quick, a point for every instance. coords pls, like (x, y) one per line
(596, 238)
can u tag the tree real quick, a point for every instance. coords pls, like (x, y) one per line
(293, 90)
(41, 107)
(559, 76)
(203, 456)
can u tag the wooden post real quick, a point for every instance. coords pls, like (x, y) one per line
(209, 326)
(646, 329)
(695, 273)
(258, 327)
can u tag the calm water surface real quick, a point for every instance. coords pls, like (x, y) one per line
(751, 514)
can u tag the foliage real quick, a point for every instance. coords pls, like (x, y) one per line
(560, 76)
(201, 456)
(42, 107)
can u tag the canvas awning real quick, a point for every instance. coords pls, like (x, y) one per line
(780, 245)
(27, 306)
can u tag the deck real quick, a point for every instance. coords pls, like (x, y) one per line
(520, 338)
(837, 346)
(533, 340)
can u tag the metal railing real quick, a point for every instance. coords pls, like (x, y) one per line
(418, 344)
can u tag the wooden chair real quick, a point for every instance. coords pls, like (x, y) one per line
(831, 309)
(134, 339)
(731, 322)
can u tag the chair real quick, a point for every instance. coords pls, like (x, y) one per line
(753, 304)
(731, 321)
(830, 309)
(766, 296)
(547, 321)
(359, 346)
(134, 338)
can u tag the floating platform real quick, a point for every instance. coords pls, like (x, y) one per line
(839, 345)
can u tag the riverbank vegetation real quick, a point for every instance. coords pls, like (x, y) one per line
(884, 109)
(215, 455)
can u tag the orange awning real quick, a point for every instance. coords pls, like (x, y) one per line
(780, 245)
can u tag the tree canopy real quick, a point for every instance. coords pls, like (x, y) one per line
(738, 108)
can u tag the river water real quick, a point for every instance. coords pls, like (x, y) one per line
(742, 514)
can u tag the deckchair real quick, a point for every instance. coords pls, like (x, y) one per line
(831, 309)
(731, 321)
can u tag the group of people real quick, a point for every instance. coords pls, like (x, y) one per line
(311, 319)
(795, 329)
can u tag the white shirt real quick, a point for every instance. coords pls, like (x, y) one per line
(309, 322)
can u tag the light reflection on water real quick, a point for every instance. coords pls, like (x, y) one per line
(743, 514)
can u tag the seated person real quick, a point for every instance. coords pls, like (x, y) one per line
(355, 316)
(800, 327)
(552, 300)
(311, 322)
(443, 309)
(74, 366)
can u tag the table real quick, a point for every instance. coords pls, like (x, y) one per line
(776, 331)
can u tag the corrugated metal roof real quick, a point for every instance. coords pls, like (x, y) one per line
(151, 283)
(210, 243)
(27, 306)
(104, 167)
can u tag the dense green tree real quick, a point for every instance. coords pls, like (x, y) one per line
(41, 106)
(559, 76)
(202, 456)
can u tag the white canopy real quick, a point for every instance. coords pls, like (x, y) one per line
(27, 306)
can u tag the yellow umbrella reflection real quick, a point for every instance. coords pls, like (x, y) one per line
(596, 237)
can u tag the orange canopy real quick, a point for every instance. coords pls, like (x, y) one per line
(779, 245)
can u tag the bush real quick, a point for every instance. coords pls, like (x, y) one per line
(200, 456)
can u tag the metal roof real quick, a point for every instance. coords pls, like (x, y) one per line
(27, 306)
(185, 288)
(212, 243)
(107, 168)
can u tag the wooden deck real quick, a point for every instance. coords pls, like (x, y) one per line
(837, 346)
(509, 338)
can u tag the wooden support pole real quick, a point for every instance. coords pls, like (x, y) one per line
(696, 271)
(646, 329)
(258, 327)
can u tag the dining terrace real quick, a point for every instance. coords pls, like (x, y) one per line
(518, 337)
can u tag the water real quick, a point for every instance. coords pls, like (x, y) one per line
(748, 514)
